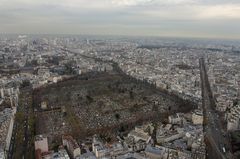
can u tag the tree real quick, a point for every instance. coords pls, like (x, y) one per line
(117, 116)
(69, 67)
(19, 117)
(25, 83)
(131, 95)
(89, 98)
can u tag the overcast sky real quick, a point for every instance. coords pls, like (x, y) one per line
(178, 18)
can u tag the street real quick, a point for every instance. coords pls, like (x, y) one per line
(20, 137)
(218, 146)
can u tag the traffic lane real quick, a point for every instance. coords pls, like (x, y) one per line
(213, 128)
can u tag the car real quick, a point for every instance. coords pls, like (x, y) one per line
(223, 149)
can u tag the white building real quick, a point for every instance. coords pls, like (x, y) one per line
(139, 134)
(99, 149)
(197, 117)
(41, 143)
(6, 127)
(71, 145)
(175, 119)
(2, 154)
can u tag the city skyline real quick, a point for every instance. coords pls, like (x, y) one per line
(171, 18)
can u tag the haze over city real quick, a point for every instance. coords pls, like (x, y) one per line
(174, 18)
(119, 79)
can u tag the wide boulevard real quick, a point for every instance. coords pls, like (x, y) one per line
(218, 146)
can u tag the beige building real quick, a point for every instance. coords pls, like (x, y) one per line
(99, 149)
(71, 145)
(41, 143)
(44, 105)
(139, 134)
(197, 117)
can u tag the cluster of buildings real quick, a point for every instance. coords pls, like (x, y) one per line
(35, 62)
(6, 126)
(8, 105)
(233, 118)
(224, 76)
(42, 150)
(41, 61)
(176, 68)
(183, 132)
(180, 138)
(169, 68)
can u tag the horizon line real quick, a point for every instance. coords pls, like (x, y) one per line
(124, 35)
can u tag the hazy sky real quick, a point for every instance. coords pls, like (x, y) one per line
(184, 18)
